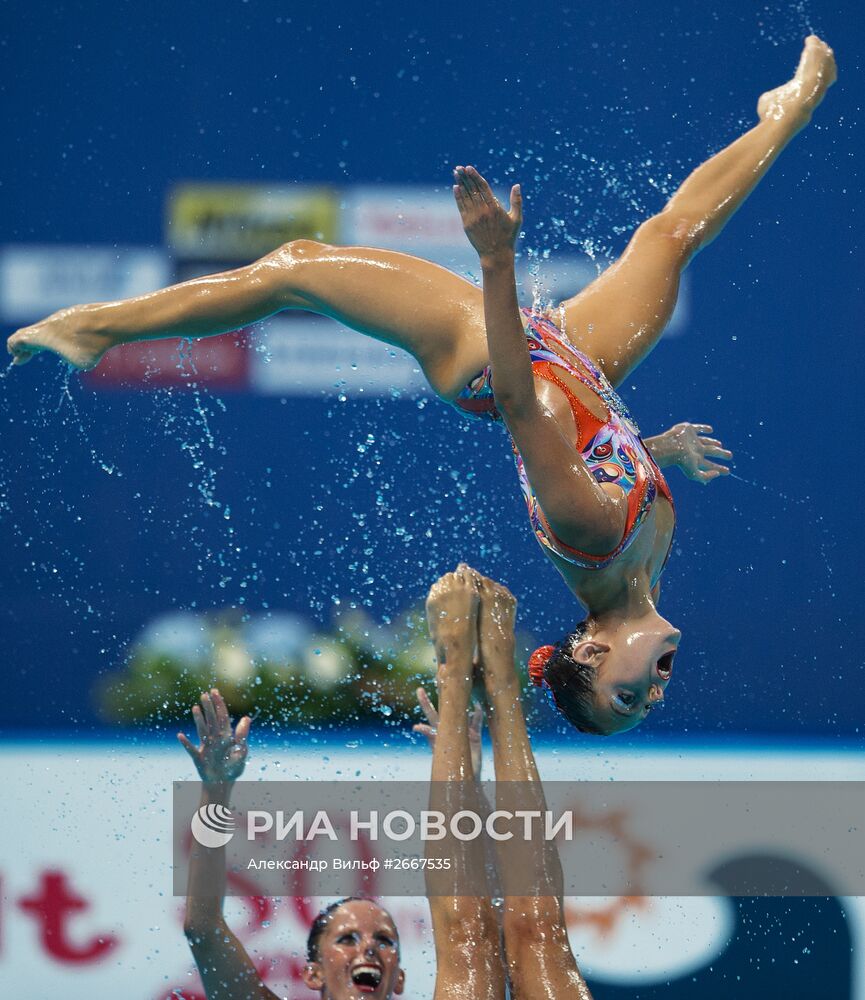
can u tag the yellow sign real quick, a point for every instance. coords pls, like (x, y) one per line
(239, 222)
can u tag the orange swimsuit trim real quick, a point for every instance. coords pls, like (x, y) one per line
(612, 449)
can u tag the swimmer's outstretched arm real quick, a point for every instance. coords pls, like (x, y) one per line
(493, 233)
(465, 929)
(226, 970)
(686, 446)
(578, 510)
(540, 961)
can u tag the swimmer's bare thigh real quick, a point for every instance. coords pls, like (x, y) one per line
(620, 316)
(411, 303)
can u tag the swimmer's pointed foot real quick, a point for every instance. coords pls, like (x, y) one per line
(21, 354)
(66, 333)
(799, 97)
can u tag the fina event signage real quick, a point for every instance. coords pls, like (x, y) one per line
(233, 222)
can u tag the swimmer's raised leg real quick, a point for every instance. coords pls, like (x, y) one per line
(619, 318)
(402, 300)
(540, 961)
(465, 929)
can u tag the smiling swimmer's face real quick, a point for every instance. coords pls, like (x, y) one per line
(358, 955)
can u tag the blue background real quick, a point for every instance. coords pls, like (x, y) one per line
(108, 105)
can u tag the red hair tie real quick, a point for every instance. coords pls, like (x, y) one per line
(537, 664)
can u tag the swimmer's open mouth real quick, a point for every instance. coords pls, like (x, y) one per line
(665, 666)
(366, 978)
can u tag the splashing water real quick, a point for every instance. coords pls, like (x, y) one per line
(783, 24)
(806, 502)
(66, 397)
(60, 417)
(195, 448)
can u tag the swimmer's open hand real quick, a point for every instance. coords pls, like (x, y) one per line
(430, 727)
(221, 756)
(491, 230)
(687, 446)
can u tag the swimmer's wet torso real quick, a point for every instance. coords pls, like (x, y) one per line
(639, 567)
(575, 394)
(643, 561)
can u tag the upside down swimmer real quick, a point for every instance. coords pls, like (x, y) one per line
(597, 499)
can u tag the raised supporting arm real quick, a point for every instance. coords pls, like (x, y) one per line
(226, 970)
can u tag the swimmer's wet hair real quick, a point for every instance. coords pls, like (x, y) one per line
(572, 683)
(319, 925)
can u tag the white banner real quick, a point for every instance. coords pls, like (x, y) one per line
(38, 280)
(85, 871)
(299, 354)
(420, 220)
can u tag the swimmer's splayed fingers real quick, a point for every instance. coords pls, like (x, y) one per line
(597, 500)
(491, 230)
(221, 755)
(687, 447)
(430, 727)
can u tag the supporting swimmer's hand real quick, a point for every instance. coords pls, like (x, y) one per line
(687, 446)
(221, 756)
(491, 230)
(452, 614)
(476, 728)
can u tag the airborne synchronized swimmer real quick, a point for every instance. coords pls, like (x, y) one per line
(597, 500)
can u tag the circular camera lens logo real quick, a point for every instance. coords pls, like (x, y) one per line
(213, 826)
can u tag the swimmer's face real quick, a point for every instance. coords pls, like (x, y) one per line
(358, 955)
(633, 666)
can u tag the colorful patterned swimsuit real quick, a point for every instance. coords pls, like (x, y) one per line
(611, 448)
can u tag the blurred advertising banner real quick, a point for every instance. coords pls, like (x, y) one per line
(222, 363)
(293, 354)
(86, 873)
(38, 280)
(212, 227)
(240, 222)
(414, 219)
(304, 355)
